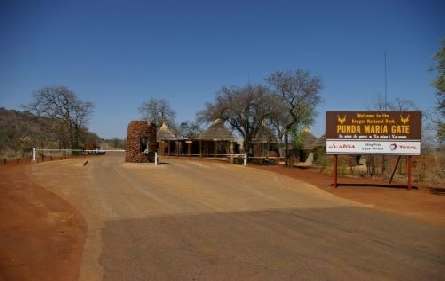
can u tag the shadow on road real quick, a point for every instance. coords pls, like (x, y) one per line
(345, 243)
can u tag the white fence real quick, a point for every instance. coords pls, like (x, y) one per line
(98, 151)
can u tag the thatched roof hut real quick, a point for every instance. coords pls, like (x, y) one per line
(165, 133)
(217, 132)
(311, 142)
(321, 141)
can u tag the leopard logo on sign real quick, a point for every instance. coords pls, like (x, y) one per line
(341, 120)
(404, 120)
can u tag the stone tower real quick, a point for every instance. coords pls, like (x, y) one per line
(141, 142)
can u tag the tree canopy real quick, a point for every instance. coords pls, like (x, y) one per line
(299, 92)
(62, 104)
(285, 106)
(245, 109)
(158, 111)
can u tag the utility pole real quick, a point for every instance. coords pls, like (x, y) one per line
(386, 82)
(385, 106)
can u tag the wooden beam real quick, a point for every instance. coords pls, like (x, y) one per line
(410, 180)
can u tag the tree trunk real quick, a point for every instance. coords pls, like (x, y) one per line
(76, 140)
(286, 150)
(383, 166)
(371, 167)
(247, 146)
(71, 135)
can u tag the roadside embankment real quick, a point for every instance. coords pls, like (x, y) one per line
(41, 235)
(420, 204)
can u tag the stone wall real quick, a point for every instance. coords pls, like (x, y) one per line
(140, 135)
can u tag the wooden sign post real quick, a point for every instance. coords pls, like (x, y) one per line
(409, 173)
(335, 171)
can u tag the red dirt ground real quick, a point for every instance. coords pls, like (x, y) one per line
(41, 235)
(418, 203)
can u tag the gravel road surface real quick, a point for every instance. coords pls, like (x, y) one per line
(202, 220)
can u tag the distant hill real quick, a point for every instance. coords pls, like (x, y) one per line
(22, 130)
(114, 143)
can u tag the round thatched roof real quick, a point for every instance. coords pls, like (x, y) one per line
(310, 141)
(217, 131)
(321, 141)
(164, 133)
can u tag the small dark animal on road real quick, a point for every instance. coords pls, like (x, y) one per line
(85, 163)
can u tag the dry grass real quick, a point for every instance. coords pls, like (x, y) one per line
(428, 169)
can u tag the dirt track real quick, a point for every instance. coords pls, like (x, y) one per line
(190, 220)
(41, 235)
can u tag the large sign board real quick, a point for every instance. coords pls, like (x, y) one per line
(373, 132)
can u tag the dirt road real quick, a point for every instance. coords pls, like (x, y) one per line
(191, 220)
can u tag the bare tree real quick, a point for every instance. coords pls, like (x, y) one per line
(189, 129)
(398, 104)
(278, 118)
(402, 105)
(300, 93)
(61, 104)
(158, 111)
(439, 84)
(81, 114)
(244, 108)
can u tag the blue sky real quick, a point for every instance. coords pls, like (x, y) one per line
(119, 53)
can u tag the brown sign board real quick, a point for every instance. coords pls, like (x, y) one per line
(373, 132)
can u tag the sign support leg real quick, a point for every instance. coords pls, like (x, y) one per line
(409, 167)
(395, 169)
(335, 170)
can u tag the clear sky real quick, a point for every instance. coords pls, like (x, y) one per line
(119, 53)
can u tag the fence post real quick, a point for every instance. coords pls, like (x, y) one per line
(156, 158)
(33, 154)
(245, 159)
